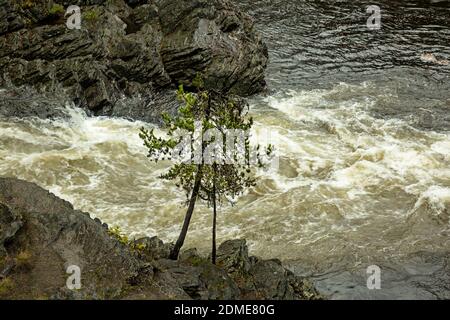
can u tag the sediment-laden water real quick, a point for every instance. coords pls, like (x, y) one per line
(361, 122)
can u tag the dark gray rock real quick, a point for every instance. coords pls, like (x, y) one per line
(146, 108)
(41, 235)
(20, 103)
(190, 255)
(10, 223)
(262, 279)
(52, 236)
(201, 280)
(214, 39)
(132, 49)
(154, 248)
(232, 255)
(272, 281)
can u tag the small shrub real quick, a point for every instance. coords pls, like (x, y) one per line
(23, 260)
(117, 234)
(56, 9)
(27, 4)
(140, 247)
(91, 15)
(6, 285)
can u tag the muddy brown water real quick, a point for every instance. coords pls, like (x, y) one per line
(361, 123)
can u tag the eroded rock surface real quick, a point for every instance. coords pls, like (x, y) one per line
(42, 235)
(128, 49)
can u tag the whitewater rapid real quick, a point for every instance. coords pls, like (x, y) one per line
(350, 187)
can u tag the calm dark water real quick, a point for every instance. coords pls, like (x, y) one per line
(316, 44)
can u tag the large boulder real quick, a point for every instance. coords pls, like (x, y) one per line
(213, 38)
(272, 281)
(128, 49)
(23, 102)
(200, 279)
(262, 279)
(42, 235)
(154, 248)
(232, 255)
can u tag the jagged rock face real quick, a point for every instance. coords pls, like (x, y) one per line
(200, 279)
(214, 39)
(10, 223)
(155, 248)
(23, 102)
(262, 279)
(129, 48)
(53, 237)
(233, 256)
(42, 235)
(49, 236)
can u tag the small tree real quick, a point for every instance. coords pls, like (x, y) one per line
(205, 167)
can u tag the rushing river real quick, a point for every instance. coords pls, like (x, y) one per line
(360, 119)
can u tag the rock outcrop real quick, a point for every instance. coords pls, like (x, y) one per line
(261, 279)
(128, 56)
(41, 236)
(45, 235)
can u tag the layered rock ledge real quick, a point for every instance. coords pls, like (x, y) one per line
(125, 49)
(42, 235)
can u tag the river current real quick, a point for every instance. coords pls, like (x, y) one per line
(360, 119)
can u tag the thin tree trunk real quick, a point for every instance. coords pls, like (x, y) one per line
(187, 219)
(214, 250)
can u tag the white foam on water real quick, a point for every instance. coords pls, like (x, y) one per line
(344, 178)
(368, 156)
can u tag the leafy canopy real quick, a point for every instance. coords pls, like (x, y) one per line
(231, 167)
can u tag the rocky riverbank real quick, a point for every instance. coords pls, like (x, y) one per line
(41, 236)
(125, 60)
(128, 56)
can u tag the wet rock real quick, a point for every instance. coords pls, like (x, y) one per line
(146, 108)
(214, 39)
(128, 49)
(19, 103)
